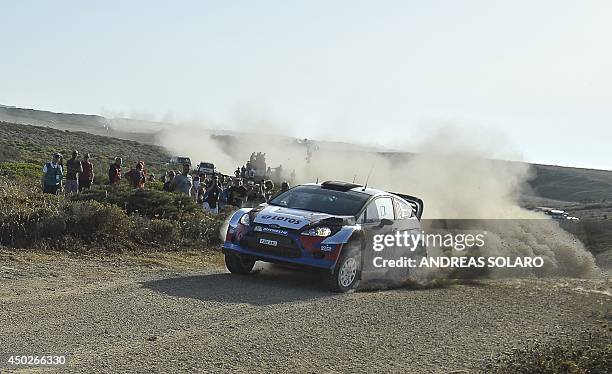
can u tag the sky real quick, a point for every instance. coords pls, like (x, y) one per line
(533, 76)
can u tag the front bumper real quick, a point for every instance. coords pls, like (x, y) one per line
(306, 258)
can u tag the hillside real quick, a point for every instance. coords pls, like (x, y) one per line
(69, 121)
(92, 124)
(34, 145)
(572, 184)
(558, 186)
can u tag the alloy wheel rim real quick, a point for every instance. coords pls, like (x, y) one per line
(348, 272)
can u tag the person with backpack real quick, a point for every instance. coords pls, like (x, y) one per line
(53, 173)
(114, 172)
(87, 174)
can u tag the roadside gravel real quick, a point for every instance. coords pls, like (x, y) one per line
(171, 313)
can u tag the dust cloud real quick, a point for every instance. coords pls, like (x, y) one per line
(458, 174)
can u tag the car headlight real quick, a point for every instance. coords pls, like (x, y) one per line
(245, 219)
(318, 231)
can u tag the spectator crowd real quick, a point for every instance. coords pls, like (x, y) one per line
(212, 191)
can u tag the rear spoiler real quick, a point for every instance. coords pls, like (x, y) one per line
(415, 202)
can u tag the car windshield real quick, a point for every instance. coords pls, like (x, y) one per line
(206, 165)
(316, 199)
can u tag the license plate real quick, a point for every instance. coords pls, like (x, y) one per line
(273, 243)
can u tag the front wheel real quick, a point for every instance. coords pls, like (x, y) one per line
(238, 264)
(347, 273)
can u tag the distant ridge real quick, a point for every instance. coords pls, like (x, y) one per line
(554, 183)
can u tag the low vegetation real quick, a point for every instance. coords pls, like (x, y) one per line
(120, 219)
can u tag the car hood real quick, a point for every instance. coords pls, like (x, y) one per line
(294, 219)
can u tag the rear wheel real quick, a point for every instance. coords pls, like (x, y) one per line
(238, 264)
(347, 273)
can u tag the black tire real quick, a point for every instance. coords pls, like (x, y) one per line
(347, 273)
(238, 264)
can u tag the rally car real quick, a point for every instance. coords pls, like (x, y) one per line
(328, 226)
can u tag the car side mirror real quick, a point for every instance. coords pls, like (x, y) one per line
(385, 222)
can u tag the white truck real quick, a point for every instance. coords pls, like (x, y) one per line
(207, 168)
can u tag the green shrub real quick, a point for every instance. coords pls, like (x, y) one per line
(90, 220)
(27, 216)
(163, 231)
(202, 226)
(123, 218)
(157, 185)
(24, 213)
(149, 203)
(21, 169)
(9, 152)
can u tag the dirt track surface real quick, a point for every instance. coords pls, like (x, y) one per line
(187, 314)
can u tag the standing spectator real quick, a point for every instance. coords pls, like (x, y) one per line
(168, 181)
(73, 171)
(143, 178)
(250, 189)
(53, 173)
(204, 184)
(224, 196)
(195, 190)
(279, 172)
(114, 172)
(211, 196)
(268, 187)
(86, 177)
(136, 176)
(255, 194)
(284, 186)
(237, 193)
(183, 183)
(145, 175)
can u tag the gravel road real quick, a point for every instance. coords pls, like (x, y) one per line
(170, 313)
